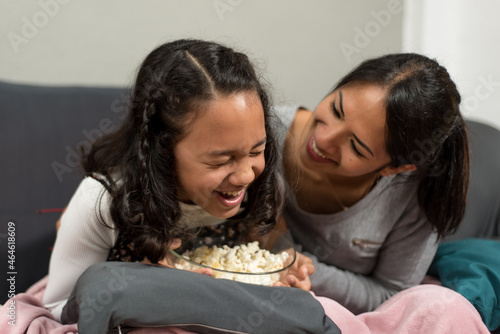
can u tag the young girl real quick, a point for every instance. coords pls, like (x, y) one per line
(197, 143)
(376, 174)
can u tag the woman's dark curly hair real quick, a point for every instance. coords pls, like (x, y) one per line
(424, 127)
(173, 83)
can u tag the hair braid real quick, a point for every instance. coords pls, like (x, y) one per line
(144, 147)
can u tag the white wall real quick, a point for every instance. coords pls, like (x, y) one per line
(464, 36)
(303, 46)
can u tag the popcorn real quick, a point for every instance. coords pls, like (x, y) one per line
(243, 258)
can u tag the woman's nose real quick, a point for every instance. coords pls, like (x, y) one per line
(329, 139)
(243, 174)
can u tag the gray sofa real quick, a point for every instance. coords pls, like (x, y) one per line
(41, 128)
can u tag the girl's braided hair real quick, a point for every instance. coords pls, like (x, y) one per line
(173, 84)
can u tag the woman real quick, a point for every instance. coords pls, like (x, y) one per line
(376, 175)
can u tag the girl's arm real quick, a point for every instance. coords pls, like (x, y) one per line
(82, 240)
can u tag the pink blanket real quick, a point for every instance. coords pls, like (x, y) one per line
(425, 308)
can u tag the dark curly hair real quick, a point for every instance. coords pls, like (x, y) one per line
(173, 83)
(424, 127)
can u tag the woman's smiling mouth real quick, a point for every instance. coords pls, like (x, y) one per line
(315, 149)
(315, 153)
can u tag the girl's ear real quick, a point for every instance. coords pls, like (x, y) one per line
(388, 171)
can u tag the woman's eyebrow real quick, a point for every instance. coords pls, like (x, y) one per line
(230, 152)
(341, 104)
(363, 144)
(355, 137)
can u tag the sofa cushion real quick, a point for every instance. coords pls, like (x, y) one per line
(482, 213)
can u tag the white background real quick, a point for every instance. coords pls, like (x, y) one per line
(101, 42)
(302, 47)
(464, 36)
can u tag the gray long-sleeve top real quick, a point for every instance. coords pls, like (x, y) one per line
(367, 253)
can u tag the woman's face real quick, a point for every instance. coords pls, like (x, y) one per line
(346, 135)
(222, 153)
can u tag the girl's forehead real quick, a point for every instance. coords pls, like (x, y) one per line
(222, 110)
(227, 123)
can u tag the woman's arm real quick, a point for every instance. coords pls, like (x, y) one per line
(402, 262)
(82, 240)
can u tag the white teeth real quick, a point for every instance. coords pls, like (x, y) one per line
(232, 193)
(315, 149)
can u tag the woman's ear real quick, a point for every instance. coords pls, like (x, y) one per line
(388, 171)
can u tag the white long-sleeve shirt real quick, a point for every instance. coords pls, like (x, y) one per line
(83, 240)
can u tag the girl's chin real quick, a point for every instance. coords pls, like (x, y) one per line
(224, 214)
(221, 206)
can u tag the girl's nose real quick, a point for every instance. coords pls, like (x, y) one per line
(242, 175)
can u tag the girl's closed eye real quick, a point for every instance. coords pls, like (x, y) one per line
(256, 154)
(252, 154)
(219, 164)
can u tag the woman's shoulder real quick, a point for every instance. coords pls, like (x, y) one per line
(395, 193)
(291, 119)
(302, 116)
(288, 113)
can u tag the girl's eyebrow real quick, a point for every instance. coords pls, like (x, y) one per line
(230, 152)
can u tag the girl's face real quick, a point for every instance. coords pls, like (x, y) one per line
(222, 153)
(346, 135)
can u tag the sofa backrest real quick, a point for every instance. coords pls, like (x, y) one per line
(482, 214)
(40, 131)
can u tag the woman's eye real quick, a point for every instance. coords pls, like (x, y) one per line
(335, 111)
(355, 149)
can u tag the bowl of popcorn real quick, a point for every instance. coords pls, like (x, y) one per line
(248, 262)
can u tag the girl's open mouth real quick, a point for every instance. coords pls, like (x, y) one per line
(230, 198)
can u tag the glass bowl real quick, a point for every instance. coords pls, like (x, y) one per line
(263, 263)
